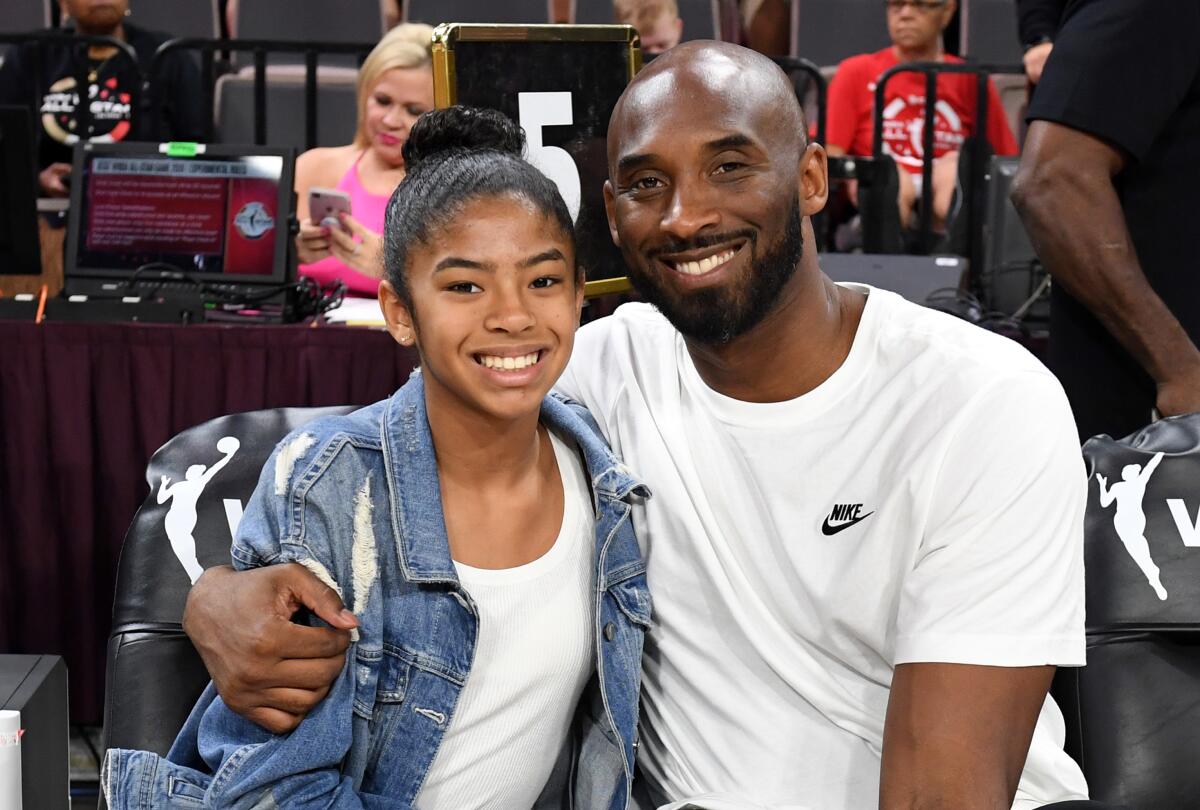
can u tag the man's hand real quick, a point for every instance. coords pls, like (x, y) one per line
(50, 180)
(1179, 393)
(1035, 60)
(957, 735)
(266, 668)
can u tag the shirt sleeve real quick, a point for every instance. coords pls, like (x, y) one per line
(998, 131)
(1107, 77)
(1038, 19)
(842, 107)
(998, 575)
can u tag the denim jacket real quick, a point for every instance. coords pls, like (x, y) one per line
(356, 499)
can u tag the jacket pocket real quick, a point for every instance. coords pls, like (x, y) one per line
(182, 791)
(632, 595)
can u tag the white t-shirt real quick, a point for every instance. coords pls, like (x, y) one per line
(925, 503)
(533, 657)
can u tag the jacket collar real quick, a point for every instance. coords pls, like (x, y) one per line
(415, 488)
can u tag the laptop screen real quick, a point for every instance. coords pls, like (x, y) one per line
(219, 216)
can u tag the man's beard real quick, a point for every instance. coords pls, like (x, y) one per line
(720, 314)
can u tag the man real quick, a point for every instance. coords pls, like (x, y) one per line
(43, 77)
(915, 27)
(1108, 188)
(864, 543)
(657, 22)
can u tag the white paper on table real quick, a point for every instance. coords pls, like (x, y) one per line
(357, 312)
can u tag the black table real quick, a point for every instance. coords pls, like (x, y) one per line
(82, 408)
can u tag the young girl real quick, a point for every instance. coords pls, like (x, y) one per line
(477, 528)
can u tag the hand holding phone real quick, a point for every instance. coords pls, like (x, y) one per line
(326, 204)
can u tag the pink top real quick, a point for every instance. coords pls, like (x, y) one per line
(368, 209)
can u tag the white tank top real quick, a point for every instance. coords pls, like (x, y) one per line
(533, 656)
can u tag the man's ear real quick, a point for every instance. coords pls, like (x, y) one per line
(814, 180)
(610, 205)
(396, 314)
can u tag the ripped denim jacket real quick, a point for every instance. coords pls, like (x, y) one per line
(333, 491)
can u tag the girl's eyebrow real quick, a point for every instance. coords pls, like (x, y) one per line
(458, 261)
(551, 255)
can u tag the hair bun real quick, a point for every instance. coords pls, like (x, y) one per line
(461, 129)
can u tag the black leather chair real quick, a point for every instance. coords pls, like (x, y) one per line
(1133, 713)
(154, 674)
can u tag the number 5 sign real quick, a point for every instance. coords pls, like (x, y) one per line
(560, 83)
(537, 110)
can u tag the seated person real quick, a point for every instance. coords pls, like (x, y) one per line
(395, 86)
(916, 28)
(456, 519)
(657, 22)
(42, 77)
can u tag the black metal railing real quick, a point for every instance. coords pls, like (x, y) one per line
(977, 157)
(214, 59)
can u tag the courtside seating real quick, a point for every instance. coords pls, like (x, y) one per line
(154, 674)
(988, 32)
(21, 16)
(1013, 90)
(1133, 718)
(828, 31)
(337, 111)
(478, 11)
(177, 18)
(309, 21)
(701, 18)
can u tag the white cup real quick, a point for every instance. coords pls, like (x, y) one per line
(10, 760)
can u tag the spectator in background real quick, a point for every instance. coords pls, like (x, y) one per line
(1109, 187)
(395, 86)
(657, 22)
(916, 28)
(1037, 24)
(42, 76)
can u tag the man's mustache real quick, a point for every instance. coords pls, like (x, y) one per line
(700, 242)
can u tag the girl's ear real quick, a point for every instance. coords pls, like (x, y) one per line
(396, 315)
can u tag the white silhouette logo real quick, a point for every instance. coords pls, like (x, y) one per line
(1130, 519)
(184, 495)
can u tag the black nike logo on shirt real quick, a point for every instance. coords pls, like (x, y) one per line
(847, 515)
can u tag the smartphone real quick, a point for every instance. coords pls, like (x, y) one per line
(324, 205)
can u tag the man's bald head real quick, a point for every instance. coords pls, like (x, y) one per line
(715, 78)
(710, 179)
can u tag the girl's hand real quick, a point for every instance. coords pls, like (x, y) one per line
(312, 243)
(357, 246)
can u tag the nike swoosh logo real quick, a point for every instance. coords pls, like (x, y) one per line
(827, 530)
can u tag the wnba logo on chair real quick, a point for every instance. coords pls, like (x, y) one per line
(1129, 518)
(184, 496)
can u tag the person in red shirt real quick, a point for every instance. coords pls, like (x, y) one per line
(916, 28)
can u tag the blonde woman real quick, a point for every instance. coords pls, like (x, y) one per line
(395, 86)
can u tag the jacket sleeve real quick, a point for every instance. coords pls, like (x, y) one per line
(302, 769)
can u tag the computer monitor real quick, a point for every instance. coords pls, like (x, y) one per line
(19, 252)
(178, 214)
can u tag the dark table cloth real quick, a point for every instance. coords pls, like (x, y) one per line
(82, 408)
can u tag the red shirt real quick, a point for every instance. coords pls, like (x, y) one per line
(851, 115)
